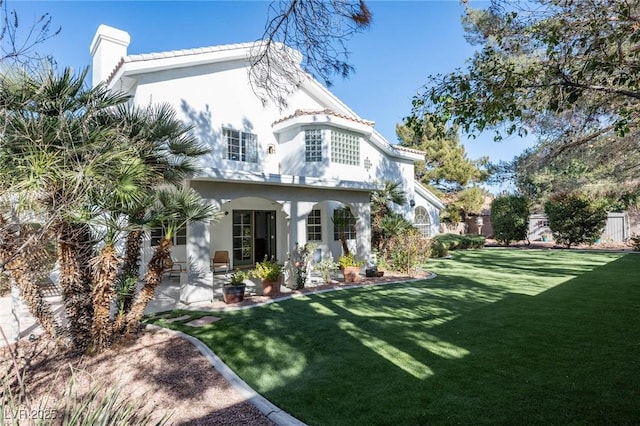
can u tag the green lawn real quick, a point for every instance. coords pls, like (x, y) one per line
(500, 337)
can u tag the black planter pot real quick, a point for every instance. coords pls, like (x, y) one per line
(233, 293)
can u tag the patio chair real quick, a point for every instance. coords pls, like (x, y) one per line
(172, 266)
(221, 260)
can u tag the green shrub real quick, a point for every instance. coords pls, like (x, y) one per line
(407, 251)
(326, 267)
(441, 244)
(268, 269)
(510, 218)
(439, 249)
(575, 218)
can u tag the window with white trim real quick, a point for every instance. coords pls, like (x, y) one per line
(241, 146)
(344, 222)
(312, 145)
(179, 236)
(314, 226)
(422, 221)
(345, 148)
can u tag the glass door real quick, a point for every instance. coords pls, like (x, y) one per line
(254, 236)
(242, 237)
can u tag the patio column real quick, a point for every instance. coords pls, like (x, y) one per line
(297, 211)
(362, 212)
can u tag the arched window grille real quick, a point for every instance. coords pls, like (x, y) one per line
(422, 221)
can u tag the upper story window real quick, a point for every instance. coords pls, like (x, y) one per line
(314, 226)
(312, 145)
(241, 146)
(345, 148)
(179, 236)
(344, 222)
(422, 221)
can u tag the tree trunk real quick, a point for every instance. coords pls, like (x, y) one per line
(26, 281)
(131, 266)
(74, 255)
(152, 278)
(105, 275)
(345, 246)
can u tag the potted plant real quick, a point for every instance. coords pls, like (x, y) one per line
(326, 267)
(268, 271)
(233, 292)
(350, 267)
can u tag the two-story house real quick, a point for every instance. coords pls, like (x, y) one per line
(279, 175)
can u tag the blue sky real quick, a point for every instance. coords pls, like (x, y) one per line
(407, 42)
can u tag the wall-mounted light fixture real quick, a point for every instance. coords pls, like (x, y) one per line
(412, 202)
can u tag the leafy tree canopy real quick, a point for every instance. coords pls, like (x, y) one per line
(567, 70)
(544, 57)
(446, 166)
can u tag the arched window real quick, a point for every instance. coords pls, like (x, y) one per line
(422, 221)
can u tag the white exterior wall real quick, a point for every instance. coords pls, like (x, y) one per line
(209, 88)
(216, 96)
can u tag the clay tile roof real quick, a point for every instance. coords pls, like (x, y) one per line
(115, 69)
(327, 111)
(178, 53)
(404, 148)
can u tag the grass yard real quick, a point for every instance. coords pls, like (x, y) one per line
(500, 337)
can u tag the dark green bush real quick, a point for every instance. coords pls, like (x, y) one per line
(575, 218)
(510, 218)
(439, 249)
(441, 244)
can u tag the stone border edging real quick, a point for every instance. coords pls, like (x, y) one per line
(271, 411)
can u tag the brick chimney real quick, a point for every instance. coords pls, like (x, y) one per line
(109, 45)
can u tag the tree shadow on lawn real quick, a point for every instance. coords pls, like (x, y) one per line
(475, 354)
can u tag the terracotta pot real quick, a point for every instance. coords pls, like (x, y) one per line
(351, 273)
(270, 288)
(233, 293)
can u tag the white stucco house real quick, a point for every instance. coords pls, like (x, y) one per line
(277, 174)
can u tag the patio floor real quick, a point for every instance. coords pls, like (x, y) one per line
(167, 297)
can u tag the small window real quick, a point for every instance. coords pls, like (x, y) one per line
(345, 148)
(314, 226)
(422, 221)
(241, 146)
(344, 223)
(313, 145)
(179, 236)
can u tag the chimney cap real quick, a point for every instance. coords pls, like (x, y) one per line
(111, 34)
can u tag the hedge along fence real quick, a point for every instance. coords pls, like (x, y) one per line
(441, 244)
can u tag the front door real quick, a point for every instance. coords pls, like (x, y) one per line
(254, 236)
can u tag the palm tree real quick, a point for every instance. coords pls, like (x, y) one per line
(380, 207)
(57, 143)
(24, 274)
(174, 209)
(392, 224)
(76, 155)
(169, 150)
